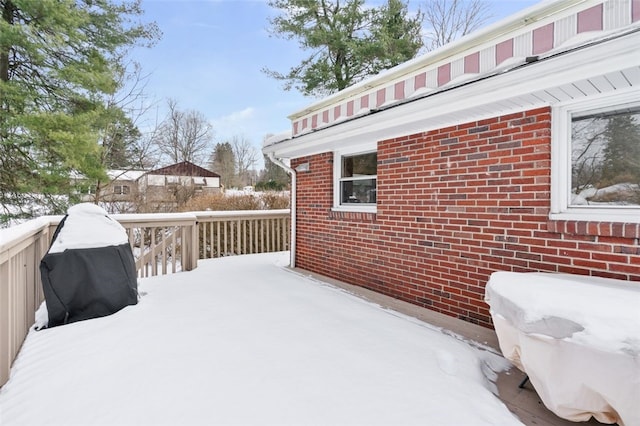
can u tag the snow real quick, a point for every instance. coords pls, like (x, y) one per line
(15, 234)
(571, 307)
(128, 175)
(279, 137)
(245, 340)
(88, 226)
(586, 196)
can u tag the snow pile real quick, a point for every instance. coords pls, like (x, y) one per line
(596, 312)
(243, 340)
(277, 138)
(620, 194)
(80, 231)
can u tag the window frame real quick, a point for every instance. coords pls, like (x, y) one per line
(121, 189)
(561, 163)
(337, 179)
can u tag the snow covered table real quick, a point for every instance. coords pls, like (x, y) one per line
(576, 337)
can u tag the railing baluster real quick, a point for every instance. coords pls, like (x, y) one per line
(226, 227)
(154, 264)
(244, 238)
(251, 223)
(173, 250)
(164, 252)
(238, 238)
(210, 240)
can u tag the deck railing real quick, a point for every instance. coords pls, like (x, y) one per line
(21, 249)
(223, 233)
(161, 243)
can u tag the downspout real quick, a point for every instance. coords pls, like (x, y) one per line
(292, 172)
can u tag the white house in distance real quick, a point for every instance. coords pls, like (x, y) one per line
(166, 186)
(123, 183)
(499, 151)
(184, 173)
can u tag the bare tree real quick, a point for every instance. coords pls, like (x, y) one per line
(246, 157)
(123, 146)
(184, 135)
(143, 151)
(447, 20)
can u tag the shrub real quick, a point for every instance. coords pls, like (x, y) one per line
(276, 200)
(221, 202)
(218, 202)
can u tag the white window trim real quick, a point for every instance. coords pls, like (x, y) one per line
(337, 172)
(561, 161)
(120, 189)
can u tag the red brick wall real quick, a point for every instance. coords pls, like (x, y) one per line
(455, 205)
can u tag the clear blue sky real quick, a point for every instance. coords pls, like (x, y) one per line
(210, 56)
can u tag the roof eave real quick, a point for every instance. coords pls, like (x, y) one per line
(469, 101)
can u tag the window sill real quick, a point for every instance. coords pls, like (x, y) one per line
(561, 224)
(360, 215)
(599, 215)
(359, 208)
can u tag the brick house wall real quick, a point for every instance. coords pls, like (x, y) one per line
(454, 205)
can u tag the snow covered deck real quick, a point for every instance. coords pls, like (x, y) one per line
(162, 243)
(245, 340)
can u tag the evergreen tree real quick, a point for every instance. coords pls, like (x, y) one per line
(348, 41)
(273, 177)
(58, 59)
(397, 38)
(223, 162)
(622, 154)
(119, 142)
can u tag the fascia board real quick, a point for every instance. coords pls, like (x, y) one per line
(475, 98)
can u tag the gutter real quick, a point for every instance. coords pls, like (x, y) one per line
(292, 244)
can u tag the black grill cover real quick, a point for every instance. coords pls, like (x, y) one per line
(97, 278)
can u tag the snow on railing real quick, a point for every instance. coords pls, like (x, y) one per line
(162, 243)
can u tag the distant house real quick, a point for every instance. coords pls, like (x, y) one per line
(166, 187)
(178, 182)
(123, 184)
(515, 148)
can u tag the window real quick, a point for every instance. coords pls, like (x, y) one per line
(598, 144)
(121, 189)
(356, 181)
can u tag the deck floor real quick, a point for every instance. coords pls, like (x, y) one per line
(524, 402)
